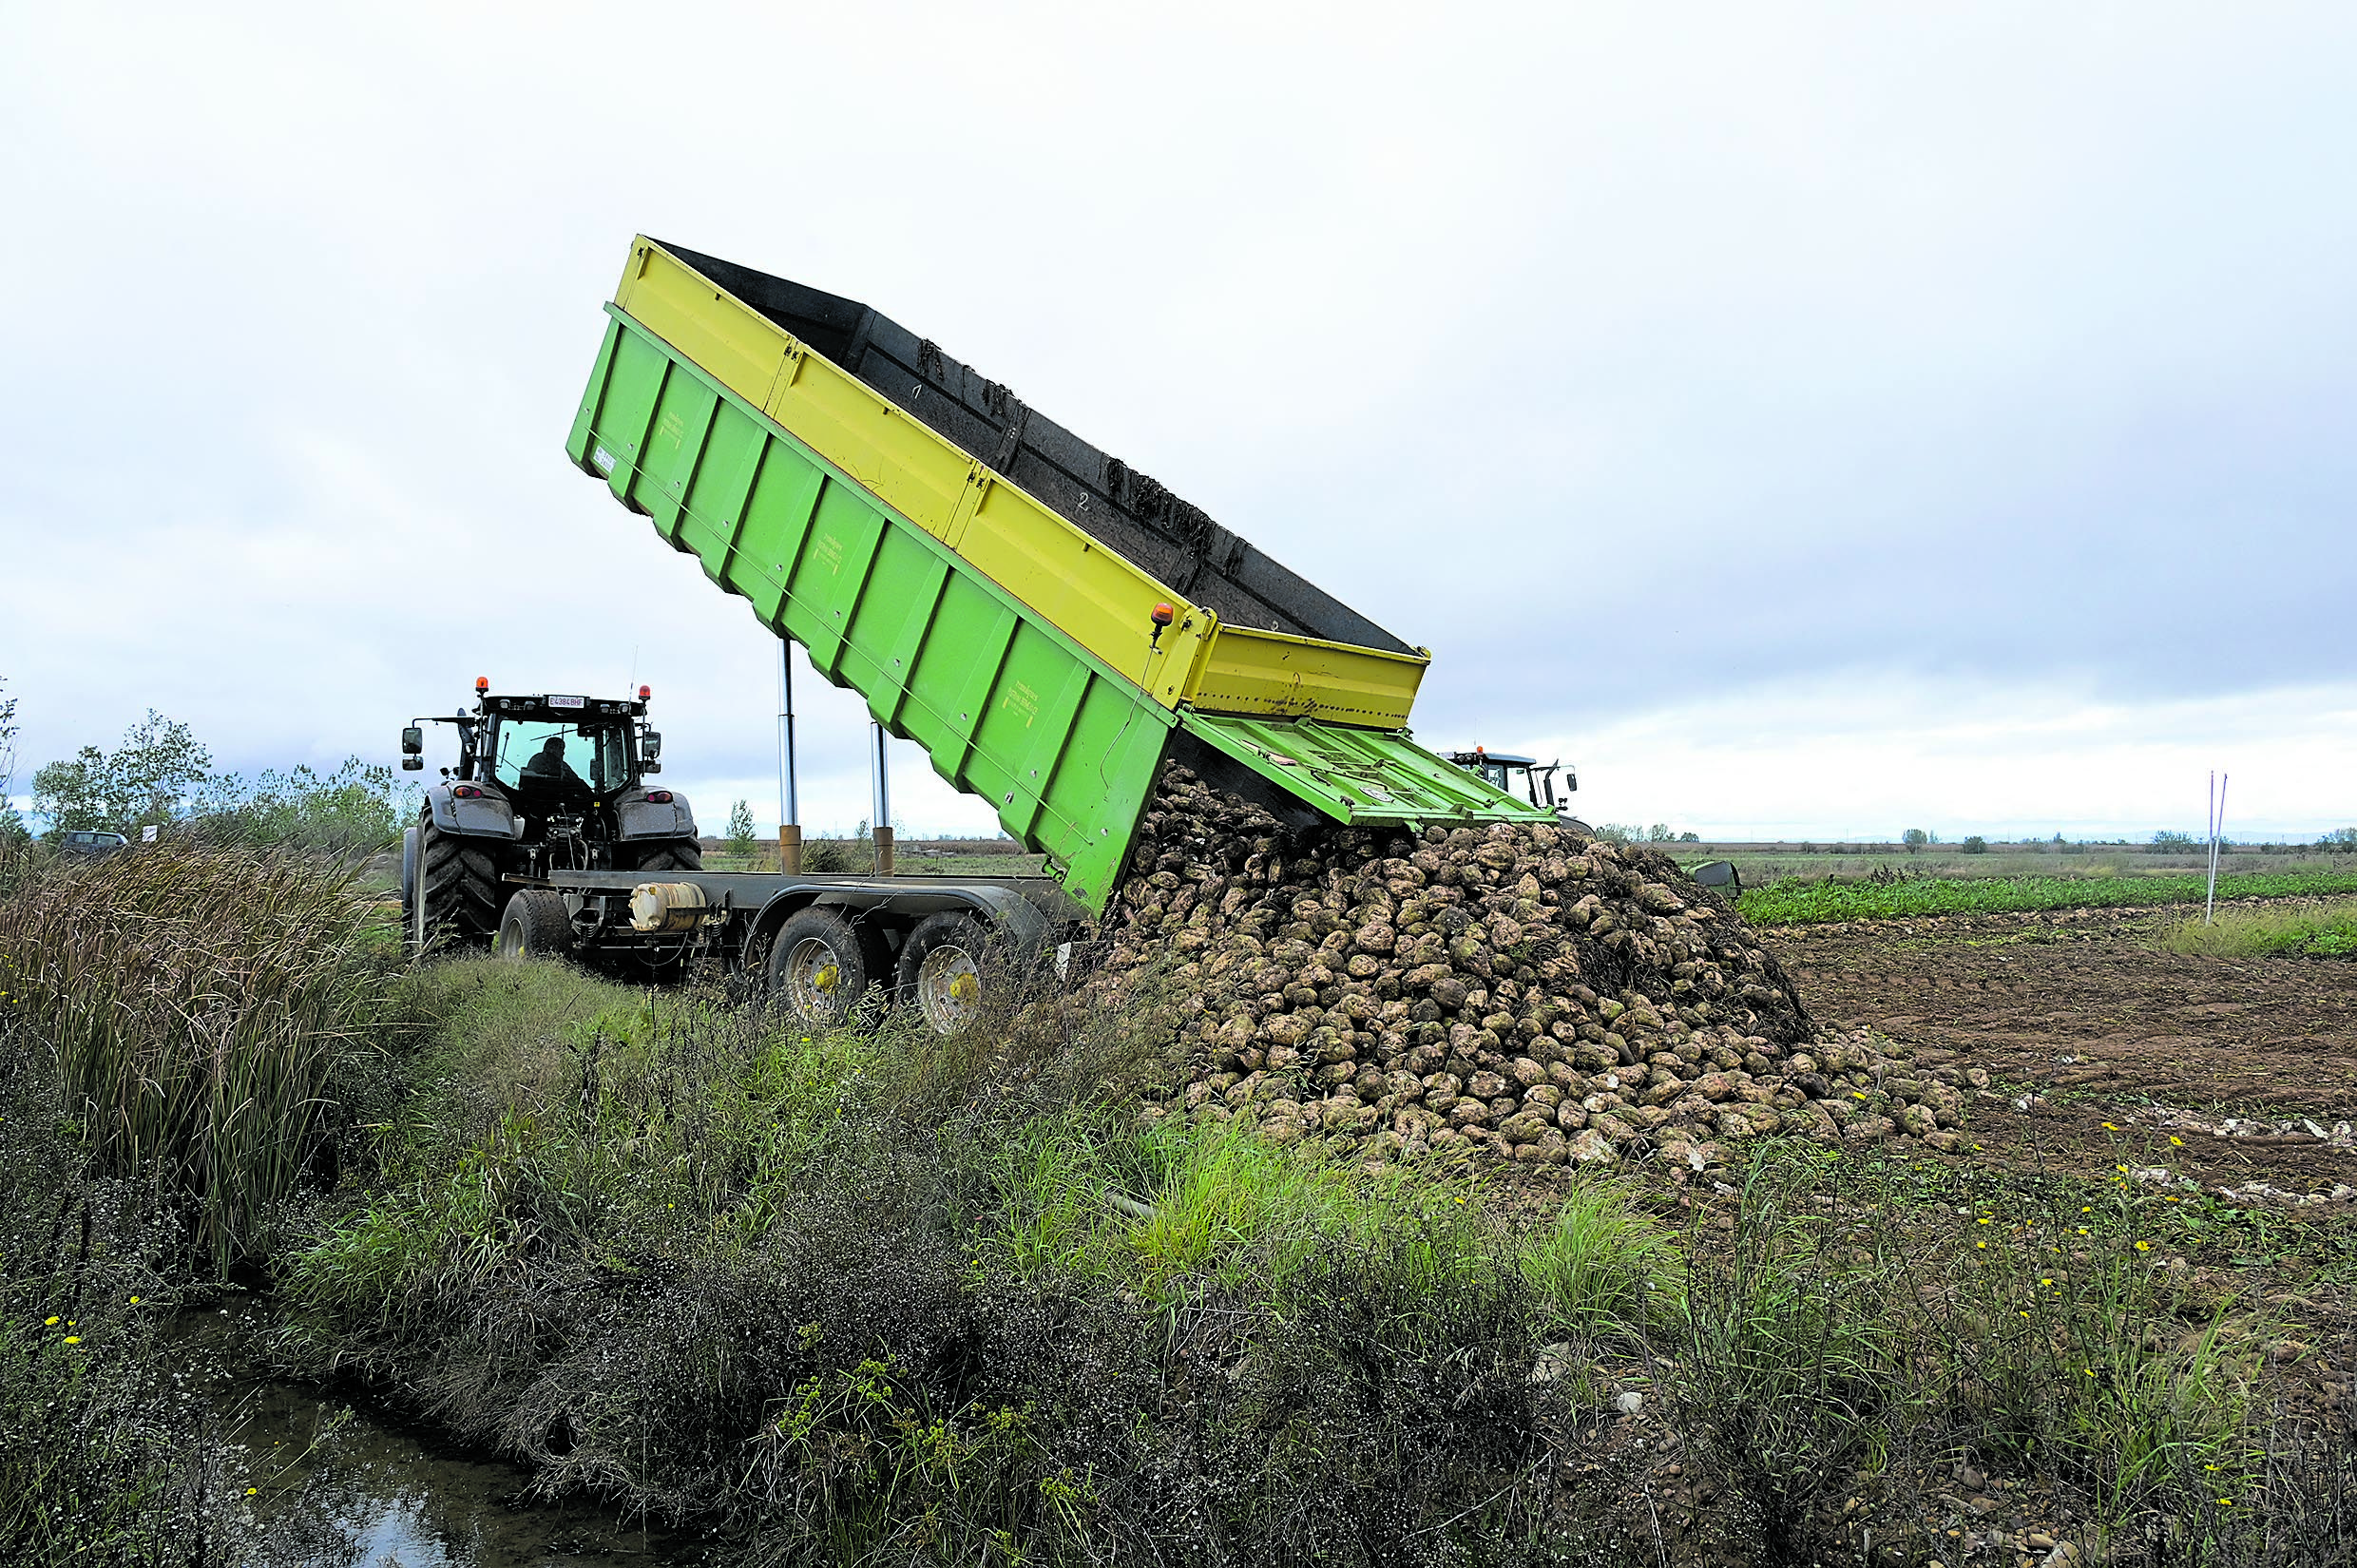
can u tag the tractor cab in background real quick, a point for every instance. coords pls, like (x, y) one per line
(1526, 778)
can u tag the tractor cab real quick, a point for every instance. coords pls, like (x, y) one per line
(553, 746)
(1526, 778)
(1521, 776)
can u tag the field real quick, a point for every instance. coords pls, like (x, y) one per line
(2126, 1051)
(868, 1296)
(1765, 863)
(1794, 902)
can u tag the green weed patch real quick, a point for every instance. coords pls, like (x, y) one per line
(1796, 903)
(2325, 930)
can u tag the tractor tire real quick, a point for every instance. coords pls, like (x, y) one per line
(409, 882)
(457, 890)
(536, 925)
(667, 854)
(818, 967)
(948, 970)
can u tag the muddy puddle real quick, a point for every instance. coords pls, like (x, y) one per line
(340, 1484)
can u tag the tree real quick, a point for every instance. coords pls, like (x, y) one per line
(1975, 844)
(2339, 838)
(11, 826)
(2165, 842)
(1657, 833)
(359, 805)
(1689, 838)
(148, 778)
(740, 830)
(1914, 838)
(1619, 833)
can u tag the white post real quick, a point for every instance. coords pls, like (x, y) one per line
(2218, 824)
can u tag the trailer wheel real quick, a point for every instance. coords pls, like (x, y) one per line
(945, 967)
(670, 854)
(457, 890)
(535, 926)
(818, 967)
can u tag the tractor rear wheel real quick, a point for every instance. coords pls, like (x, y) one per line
(668, 854)
(535, 926)
(456, 895)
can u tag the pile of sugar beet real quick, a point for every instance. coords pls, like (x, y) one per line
(1505, 991)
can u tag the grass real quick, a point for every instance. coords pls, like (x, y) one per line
(1856, 1322)
(1795, 902)
(200, 1004)
(104, 1456)
(2323, 929)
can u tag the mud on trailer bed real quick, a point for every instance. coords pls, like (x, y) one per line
(818, 942)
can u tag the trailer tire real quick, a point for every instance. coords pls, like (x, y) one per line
(457, 890)
(670, 854)
(948, 966)
(535, 926)
(818, 968)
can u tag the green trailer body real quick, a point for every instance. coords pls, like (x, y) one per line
(1006, 704)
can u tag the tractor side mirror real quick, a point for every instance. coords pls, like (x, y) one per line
(650, 767)
(413, 764)
(653, 745)
(413, 739)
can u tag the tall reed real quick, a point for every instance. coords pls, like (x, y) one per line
(198, 999)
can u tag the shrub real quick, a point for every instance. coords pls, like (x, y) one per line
(1974, 844)
(838, 1297)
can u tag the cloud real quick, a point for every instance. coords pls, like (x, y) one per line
(1662, 374)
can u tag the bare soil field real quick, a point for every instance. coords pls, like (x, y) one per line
(2102, 1048)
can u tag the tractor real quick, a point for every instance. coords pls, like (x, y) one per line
(1526, 776)
(544, 783)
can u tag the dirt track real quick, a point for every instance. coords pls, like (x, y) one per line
(2081, 1009)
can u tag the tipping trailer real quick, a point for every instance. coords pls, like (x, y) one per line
(1049, 626)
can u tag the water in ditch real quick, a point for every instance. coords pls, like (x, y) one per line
(339, 1484)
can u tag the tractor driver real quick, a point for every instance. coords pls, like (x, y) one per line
(548, 767)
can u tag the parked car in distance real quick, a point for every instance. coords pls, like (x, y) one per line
(90, 841)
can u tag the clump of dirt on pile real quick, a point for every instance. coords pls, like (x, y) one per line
(1508, 991)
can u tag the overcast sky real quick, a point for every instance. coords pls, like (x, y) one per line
(1809, 420)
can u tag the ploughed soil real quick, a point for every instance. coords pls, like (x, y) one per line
(2080, 1019)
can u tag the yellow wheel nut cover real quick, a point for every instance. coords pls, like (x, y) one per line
(825, 976)
(966, 987)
